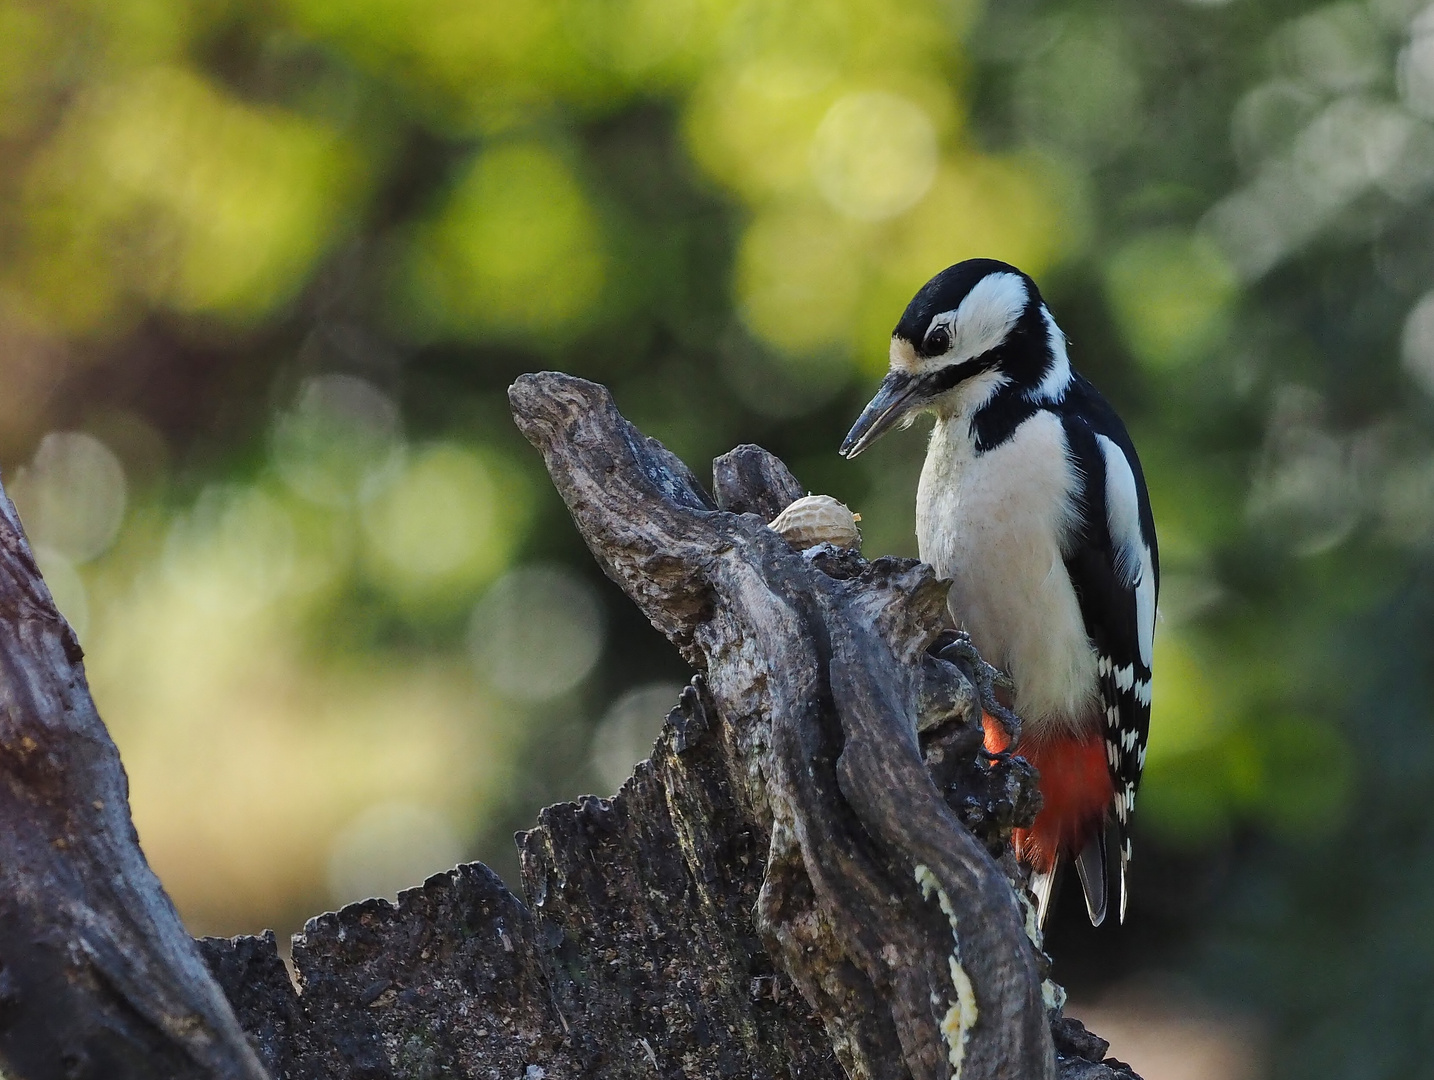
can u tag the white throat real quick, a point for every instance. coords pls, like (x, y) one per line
(958, 407)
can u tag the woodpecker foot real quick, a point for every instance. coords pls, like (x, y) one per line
(955, 647)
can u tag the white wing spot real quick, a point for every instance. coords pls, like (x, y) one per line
(1133, 564)
(1122, 512)
(1125, 677)
(1145, 608)
(1142, 691)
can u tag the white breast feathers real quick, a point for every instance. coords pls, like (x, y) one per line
(993, 524)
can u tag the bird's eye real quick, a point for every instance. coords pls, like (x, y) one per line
(937, 342)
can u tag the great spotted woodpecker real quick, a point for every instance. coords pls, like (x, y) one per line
(1032, 502)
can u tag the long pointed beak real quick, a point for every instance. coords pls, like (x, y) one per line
(898, 394)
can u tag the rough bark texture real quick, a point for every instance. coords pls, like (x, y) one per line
(98, 977)
(779, 891)
(800, 882)
(637, 953)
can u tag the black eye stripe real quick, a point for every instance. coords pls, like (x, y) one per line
(938, 382)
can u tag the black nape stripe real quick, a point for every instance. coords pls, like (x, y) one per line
(1024, 358)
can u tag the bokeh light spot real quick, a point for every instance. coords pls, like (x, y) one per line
(874, 155)
(390, 846)
(341, 435)
(517, 247)
(1171, 294)
(1415, 70)
(1306, 486)
(465, 66)
(1082, 94)
(752, 128)
(1340, 47)
(634, 38)
(628, 729)
(164, 187)
(234, 551)
(72, 495)
(1352, 146)
(537, 633)
(443, 526)
(1418, 343)
(799, 276)
(1268, 118)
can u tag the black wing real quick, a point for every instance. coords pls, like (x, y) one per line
(1114, 564)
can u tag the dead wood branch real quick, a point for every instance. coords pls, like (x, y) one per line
(98, 977)
(801, 882)
(778, 892)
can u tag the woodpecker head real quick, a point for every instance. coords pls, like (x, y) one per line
(974, 329)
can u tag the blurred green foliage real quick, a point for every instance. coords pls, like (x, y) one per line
(266, 269)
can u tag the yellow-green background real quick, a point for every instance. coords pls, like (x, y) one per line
(267, 266)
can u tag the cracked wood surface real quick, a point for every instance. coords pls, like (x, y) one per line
(748, 905)
(821, 660)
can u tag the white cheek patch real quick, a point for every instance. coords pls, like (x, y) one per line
(987, 314)
(981, 321)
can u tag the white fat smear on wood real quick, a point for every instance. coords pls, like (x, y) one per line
(1053, 995)
(1033, 919)
(962, 1015)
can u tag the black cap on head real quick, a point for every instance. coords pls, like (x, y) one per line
(945, 292)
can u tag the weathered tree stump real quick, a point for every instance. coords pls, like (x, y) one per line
(98, 978)
(800, 882)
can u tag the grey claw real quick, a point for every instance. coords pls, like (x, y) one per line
(986, 678)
